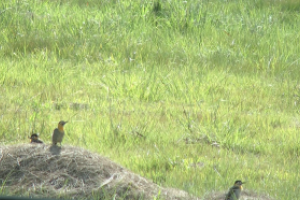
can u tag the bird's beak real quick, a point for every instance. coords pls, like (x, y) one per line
(241, 187)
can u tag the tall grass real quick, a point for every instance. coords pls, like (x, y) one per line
(198, 93)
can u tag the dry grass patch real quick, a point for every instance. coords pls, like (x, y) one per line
(73, 173)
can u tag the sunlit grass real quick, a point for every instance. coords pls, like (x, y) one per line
(161, 86)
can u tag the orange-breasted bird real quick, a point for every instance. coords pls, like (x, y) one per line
(34, 138)
(234, 192)
(58, 133)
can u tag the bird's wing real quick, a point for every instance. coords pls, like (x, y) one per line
(231, 194)
(55, 134)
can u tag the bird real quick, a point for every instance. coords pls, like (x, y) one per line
(234, 192)
(34, 138)
(58, 133)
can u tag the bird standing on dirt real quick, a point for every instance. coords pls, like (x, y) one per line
(58, 133)
(34, 138)
(235, 191)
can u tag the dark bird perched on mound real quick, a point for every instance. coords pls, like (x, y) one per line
(34, 138)
(58, 133)
(234, 192)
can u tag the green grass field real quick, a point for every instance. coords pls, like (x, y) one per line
(190, 94)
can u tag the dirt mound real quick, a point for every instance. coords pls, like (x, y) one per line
(37, 170)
